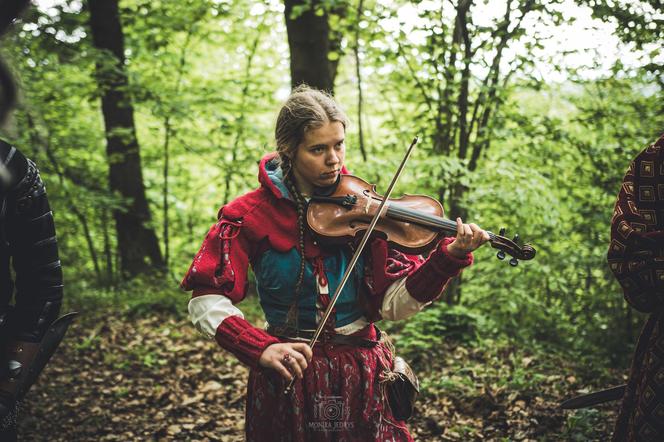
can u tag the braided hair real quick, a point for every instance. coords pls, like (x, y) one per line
(305, 109)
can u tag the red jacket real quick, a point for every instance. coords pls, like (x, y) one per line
(265, 219)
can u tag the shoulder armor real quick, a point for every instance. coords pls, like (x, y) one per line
(29, 188)
(12, 167)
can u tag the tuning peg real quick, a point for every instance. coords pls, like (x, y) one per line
(516, 238)
(514, 262)
(500, 255)
(502, 231)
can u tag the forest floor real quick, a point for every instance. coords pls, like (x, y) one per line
(150, 376)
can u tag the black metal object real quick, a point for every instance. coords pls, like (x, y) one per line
(595, 398)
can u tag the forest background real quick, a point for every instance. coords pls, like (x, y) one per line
(145, 117)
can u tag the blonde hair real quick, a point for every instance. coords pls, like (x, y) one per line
(306, 108)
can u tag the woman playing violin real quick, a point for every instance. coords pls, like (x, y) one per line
(338, 391)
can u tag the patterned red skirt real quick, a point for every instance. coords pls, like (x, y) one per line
(341, 398)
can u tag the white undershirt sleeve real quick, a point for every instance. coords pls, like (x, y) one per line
(398, 303)
(208, 311)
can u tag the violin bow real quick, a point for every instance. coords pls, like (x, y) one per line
(356, 255)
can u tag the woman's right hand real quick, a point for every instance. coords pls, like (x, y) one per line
(287, 358)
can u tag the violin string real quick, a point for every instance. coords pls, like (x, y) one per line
(423, 217)
(426, 218)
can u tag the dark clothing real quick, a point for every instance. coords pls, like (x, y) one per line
(636, 257)
(31, 295)
(27, 239)
(8, 434)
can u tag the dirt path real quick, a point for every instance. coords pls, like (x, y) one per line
(155, 379)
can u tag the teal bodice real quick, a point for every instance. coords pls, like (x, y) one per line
(276, 277)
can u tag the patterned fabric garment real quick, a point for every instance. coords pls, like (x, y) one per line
(636, 257)
(340, 399)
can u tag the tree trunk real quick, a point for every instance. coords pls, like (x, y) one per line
(358, 74)
(137, 242)
(310, 45)
(108, 250)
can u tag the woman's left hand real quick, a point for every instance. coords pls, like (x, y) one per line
(469, 237)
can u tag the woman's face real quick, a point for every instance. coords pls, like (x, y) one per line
(319, 157)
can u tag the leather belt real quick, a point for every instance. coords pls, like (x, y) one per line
(325, 337)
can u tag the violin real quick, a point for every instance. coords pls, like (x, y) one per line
(411, 223)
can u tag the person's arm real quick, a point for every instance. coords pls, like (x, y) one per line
(218, 279)
(27, 235)
(636, 251)
(401, 285)
(410, 294)
(29, 231)
(216, 317)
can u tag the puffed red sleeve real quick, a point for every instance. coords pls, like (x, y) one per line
(425, 278)
(220, 266)
(636, 251)
(427, 282)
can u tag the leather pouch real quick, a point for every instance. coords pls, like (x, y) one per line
(402, 389)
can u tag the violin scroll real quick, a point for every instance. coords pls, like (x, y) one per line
(511, 247)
